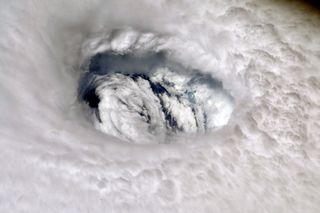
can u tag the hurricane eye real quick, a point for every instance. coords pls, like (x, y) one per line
(148, 97)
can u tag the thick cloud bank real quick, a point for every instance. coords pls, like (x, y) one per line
(79, 79)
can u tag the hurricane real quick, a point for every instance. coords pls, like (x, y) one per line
(160, 106)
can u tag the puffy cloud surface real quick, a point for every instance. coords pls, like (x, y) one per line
(266, 159)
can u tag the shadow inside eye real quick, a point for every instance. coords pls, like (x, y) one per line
(91, 98)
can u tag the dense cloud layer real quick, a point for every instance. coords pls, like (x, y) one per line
(266, 159)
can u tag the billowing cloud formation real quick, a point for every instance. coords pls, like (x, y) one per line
(266, 159)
